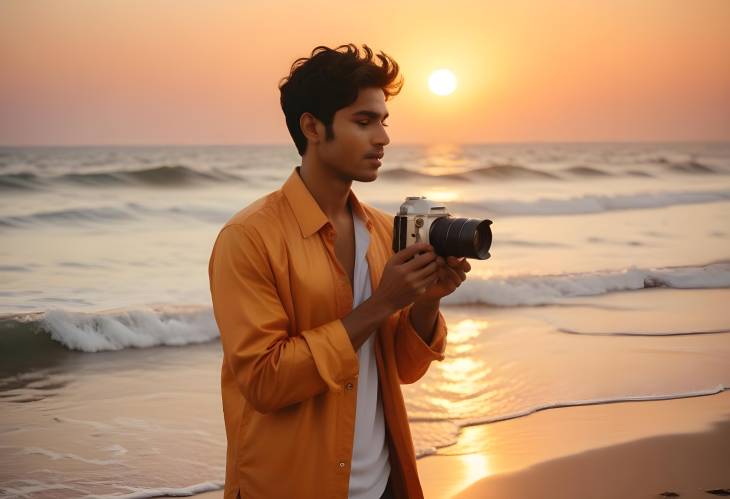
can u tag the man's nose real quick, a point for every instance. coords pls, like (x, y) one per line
(382, 137)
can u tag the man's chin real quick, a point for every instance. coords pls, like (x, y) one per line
(367, 177)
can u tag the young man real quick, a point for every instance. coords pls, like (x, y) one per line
(320, 322)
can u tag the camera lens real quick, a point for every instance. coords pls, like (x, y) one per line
(469, 237)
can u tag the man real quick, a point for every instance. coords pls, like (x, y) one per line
(320, 322)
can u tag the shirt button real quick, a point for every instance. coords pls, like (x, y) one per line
(348, 386)
(342, 464)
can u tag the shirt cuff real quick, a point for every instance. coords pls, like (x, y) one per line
(334, 356)
(412, 341)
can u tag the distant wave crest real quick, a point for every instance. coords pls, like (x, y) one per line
(593, 203)
(509, 171)
(158, 176)
(532, 290)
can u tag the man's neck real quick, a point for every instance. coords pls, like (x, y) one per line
(330, 191)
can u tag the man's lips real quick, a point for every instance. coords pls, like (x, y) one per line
(375, 156)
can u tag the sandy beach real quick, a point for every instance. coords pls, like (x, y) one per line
(626, 450)
(632, 449)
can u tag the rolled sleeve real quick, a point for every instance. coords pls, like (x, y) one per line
(413, 355)
(273, 366)
(333, 354)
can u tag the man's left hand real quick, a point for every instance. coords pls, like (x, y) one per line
(450, 274)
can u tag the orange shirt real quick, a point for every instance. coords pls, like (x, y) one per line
(289, 375)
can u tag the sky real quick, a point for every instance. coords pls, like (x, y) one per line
(101, 72)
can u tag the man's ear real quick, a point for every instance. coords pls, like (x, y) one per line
(311, 127)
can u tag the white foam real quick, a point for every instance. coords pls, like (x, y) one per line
(54, 456)
(130, 328)
(24, 488)
(547, 289)
(431, 435)
(143, 493)
(574, 403)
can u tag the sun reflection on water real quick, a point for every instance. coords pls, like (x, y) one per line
(462, 383)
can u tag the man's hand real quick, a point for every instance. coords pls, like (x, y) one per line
(406, 276)
(451, 273)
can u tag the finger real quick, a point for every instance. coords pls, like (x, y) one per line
(410, 251)
(454, 261)
(459, 263)
(441, 275)
(460, 274)
(457, 275)
(425, 272)
(419, 261)
(427, 282)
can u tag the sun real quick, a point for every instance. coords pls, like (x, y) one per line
(442, 82)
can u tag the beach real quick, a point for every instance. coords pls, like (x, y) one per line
(631, 449)
(587, 357)
(616, 450)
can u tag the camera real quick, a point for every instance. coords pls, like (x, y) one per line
(420, 219)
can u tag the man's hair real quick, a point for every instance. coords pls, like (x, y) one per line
(330, 80)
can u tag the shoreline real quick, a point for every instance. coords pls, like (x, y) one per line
(626, 447)
(622, 449)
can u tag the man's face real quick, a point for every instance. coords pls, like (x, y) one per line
(358, 132)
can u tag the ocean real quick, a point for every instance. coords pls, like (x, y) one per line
(609, 280)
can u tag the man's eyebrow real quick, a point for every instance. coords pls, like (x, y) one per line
(369, 114)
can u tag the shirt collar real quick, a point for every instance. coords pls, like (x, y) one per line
(309, 215)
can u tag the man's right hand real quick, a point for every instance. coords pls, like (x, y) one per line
(406, 276)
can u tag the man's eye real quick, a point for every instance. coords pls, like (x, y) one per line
(365, 123)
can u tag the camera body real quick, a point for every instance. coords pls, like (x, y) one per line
(414, 219)
(423, 220)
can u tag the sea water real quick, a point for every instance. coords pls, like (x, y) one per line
(608, 280)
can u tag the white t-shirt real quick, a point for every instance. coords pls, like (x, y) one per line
(370, 466)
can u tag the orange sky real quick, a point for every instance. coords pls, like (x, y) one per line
(195, 72)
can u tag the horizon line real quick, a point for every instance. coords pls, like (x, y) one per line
(243, 144)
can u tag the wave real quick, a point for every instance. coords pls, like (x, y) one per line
(104, 214)
(497, 171)
(25, 336)
(508, 171)
(593, 203)
(70, 216)
(24, 488)
(656, 334)
(162, 325)
(131, 211)
(398, 174)
(158, 176)
(532, 290)
(144, 493)
(576, 403)
(179, 175)
(691, 167)
(587, 171)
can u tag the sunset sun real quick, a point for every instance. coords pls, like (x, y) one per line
(442, 82)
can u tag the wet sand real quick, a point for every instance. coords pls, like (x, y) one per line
(621, 450)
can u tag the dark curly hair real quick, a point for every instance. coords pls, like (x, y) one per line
(330, 80)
